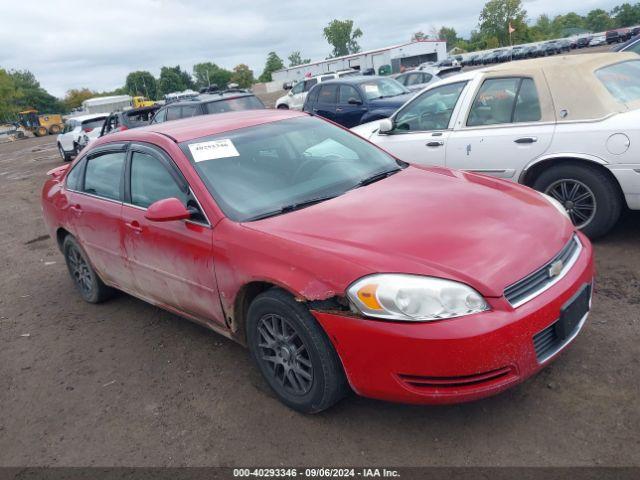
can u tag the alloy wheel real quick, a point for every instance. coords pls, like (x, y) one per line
(80, 270)
(284, 353)
(577, 198)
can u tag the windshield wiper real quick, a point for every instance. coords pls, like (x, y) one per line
(375, 177)
(292, 207)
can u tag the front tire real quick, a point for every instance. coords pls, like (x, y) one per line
(591, 198)
(65, 156)
(293, 353)
(85, 278)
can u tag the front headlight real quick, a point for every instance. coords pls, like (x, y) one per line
(414, 298)
(556, 204)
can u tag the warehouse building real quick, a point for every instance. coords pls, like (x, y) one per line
(397, 58)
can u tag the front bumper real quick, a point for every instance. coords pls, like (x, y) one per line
(456, 360)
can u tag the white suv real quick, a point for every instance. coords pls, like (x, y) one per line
(294, 99)
(77, 132)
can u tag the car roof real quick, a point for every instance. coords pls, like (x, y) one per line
(353, 79)
(187, 129)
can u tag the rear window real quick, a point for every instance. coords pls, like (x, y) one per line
(138, 119)
(234, 105)
(93, 123)
(622, 80)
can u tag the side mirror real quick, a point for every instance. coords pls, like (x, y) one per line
(385, 125)
(354, 101)
(167, 210)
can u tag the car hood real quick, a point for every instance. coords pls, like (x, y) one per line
(366, 130)
(485, 232)
(390, 102)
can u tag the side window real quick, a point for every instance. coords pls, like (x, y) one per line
(328, 94)
(413, 79)
(297, 88)
(73, 177)
(527, 103)
(189, 111)
(160, 116)
(312, 97)
(431, 110)
(426, 78)
(505, 100)
(173, 113)
(403, 79)
(151, 181)
(104, 175)
(348, 92)
(310, 83)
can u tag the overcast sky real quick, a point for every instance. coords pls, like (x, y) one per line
(96, 43)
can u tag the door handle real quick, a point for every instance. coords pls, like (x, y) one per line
(134, 225)
(526, 140)
(338, 109)
(438, 143)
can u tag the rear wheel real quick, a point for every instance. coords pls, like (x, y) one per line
(54, 129)
(41, 131)
(293, 353)
(283, 106)
(86, 280)
(590, 197)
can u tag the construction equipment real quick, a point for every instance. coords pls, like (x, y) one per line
(40, 125)
(140, 102)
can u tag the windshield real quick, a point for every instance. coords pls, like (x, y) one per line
(382, 88)
(622, 80)
(258, 171)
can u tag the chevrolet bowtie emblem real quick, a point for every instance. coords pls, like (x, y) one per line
(556, 268)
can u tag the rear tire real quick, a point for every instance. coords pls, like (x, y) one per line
(293, 353)
(606, 203)
(84, 277)
(54, 130)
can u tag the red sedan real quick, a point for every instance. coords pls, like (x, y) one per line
(335, 263)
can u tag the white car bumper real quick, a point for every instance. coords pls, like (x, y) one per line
(629, 178)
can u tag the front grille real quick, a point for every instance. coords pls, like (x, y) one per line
(545, 342)
(440, 383)
(540, 280)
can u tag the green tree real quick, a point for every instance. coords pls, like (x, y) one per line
(173, 79)
(8, 100)
(449, 35)
(29, 93)
(497, 15)
(563, 23)
(208, 73)
(142, 83)
(75, 97)
(342, 37)
(242, 75)
(296, 59)
(419, 35)
(626, 15)
(274, 63)
(598, 20)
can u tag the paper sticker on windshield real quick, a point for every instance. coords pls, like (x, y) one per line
(371, 88)
(213, 150)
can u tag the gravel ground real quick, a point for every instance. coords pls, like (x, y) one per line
(124, 383)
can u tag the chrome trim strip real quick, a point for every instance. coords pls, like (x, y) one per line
(547, 286)
(567, 340)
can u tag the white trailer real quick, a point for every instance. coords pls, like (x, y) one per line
(106, 104)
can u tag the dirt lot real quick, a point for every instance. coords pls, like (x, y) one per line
(124, 383)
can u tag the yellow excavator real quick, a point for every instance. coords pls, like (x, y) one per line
(40, 125)
(140, 102)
